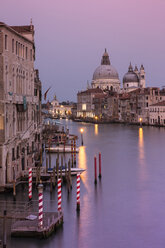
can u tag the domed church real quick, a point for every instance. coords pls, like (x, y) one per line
(134, 79)
(106, 76)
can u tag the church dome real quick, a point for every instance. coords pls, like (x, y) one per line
(130, 76)
(105, 70)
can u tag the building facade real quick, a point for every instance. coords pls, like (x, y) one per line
(157, 114)
(85, 105)
(20, 102)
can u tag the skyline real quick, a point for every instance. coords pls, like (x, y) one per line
(70, 38)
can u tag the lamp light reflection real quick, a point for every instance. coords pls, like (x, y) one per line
(82, 162)
(143, 172)
(96, 129)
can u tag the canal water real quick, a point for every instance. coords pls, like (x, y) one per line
(127, 206)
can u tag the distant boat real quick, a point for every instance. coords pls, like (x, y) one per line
(61, 149)
(74, 171)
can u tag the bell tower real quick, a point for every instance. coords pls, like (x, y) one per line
(142, 82)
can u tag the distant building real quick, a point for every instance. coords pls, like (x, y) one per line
(157, 114)
(134, 105)
(60, 110)
(20, 102)
(134, 79)
(106, 76)
(85, 106)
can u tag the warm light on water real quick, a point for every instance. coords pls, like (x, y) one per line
(96, 129)
(141, 145)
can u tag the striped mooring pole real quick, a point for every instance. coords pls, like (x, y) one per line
(40, 200)
(78, 192)
(30, 183)
(74, 151)
(59, 194)
(99, 165)
(95, 169)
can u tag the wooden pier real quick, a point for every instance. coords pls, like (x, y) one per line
(24, 219)
(28, 227)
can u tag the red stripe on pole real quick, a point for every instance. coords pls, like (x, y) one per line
(59, 195)
(99, 164)
(30, 183)
(40, 207)
(78, 192)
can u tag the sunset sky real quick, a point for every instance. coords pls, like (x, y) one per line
(71, 35)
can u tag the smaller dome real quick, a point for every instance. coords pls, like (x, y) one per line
(130, 76)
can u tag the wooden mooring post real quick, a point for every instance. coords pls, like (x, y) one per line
(46, 163)
(74, 150)
(4, 229)
(57, 168)
(50, 160)
(54, 177)
(14, 186)
(51, 188)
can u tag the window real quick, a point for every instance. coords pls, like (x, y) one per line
(30, 54)
(23, 51)
(12, 45)
(17, 152)
(16, 47)
(26, 53)
(13, 154)
(5, 42)
(28, 149)
(84, 106)
(35, 92)
(32, 146)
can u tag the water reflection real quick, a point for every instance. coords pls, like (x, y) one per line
(82, 162)
(141, 144)
(142, 162)
(96, 129)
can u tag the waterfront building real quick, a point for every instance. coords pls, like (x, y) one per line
(106, 106)
(134, 79)
(106, 76)
(20, 102)
(137, 104)
(157, 114)
(85, 106)
(60, 110)
(124, 107)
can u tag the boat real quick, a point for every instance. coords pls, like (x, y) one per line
(74, 171)
(61, 148)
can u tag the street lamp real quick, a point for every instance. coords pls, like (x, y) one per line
(81, 131)
(140, 119)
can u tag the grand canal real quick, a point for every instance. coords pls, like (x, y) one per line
(127, 207)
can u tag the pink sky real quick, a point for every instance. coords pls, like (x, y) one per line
(70, 38)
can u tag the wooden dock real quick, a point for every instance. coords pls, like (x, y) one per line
(29, 227)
